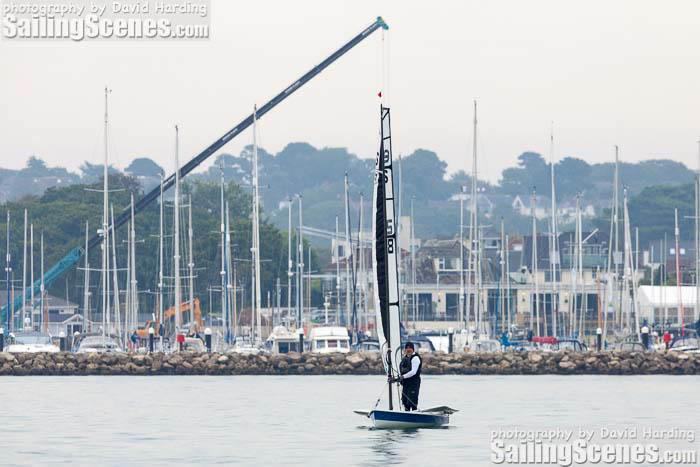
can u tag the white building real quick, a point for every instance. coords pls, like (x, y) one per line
(660, 304)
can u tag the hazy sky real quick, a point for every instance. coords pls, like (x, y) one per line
(605, 72)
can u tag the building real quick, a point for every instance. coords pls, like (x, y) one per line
(59, 314)
(661, 304)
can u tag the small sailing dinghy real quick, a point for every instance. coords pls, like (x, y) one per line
(386, 294)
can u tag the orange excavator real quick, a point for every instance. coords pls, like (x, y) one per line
(169, 314)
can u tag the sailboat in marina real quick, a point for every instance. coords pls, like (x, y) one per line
(386, 294)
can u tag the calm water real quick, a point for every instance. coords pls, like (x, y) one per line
(268, 420)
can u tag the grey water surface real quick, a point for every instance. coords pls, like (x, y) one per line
(308, 420)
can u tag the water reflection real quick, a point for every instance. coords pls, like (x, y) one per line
(387, 444)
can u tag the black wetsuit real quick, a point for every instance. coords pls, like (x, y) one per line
(411, 386)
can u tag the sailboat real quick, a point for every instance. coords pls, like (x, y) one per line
(386, 293)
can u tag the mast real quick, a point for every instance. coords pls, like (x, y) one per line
(134, 282)
(190, 254)
(223, 229)
(501, 288)
(630, 267)
(300, 264)
(229, 287)
(115, 277)
(461, 255)
(290, 264)
(41, 288)
(679, 278)
(696, 313)
(256, 237)
(338, 287)
(613, 253)
(386, 255)
(474, 233)
(9, 310)
(363, 282)
(615, 230)
(348, 285)
(86, 283)
(553, 252)
(24, 271)
(579, 250)
(31, 278)
(508, 291)
(535, 272)
(161, 304)
(176, 233)
(105, 221)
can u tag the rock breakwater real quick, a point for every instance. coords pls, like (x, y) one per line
(188, 363)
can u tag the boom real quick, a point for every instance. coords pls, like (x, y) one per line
(74, 256)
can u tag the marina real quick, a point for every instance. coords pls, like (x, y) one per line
(296, 234)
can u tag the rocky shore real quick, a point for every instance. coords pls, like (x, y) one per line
(187, 363)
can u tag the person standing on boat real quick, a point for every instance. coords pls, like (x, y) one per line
(410, 367)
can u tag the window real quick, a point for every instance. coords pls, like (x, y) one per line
(320, 344)
(343, 344)
(332, 344)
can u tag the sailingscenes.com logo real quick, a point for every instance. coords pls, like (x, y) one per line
(79, 20)
(602, 446)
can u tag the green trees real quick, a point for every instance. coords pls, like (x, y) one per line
(61, 214)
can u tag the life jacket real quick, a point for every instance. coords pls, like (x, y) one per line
(405, 367)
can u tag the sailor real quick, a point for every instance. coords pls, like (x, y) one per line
(410, 367)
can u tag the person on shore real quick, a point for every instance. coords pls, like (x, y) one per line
(134, 340)
(645, 335)
(667, 339)
(410, 368)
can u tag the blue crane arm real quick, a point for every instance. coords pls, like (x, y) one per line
(66, 263)
(74, 256)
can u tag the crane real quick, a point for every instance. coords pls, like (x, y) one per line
(74, 255)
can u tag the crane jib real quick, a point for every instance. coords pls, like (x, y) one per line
(74, 256)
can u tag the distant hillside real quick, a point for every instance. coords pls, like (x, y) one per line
(317, 174)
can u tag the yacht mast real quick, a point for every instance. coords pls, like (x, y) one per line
(361, 275)
(579, 250)
(161, 304)
(176, 233)
(190, 254)
(115, 278)
(290, 264)
(461, 255)
(300, 264)
(223, 228)
(553, 252)
(105, 224)
(696, 313)
(679, 277)
(338, 287)
(630, 267)
(535, 272)
(31, 277)
(501, 288)
(9, 309)
(256, 238)
(348, 255)
(24, 271)
(134, 282)
(86, 284)
(44, 323)
(231, 285)
(474, 232)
